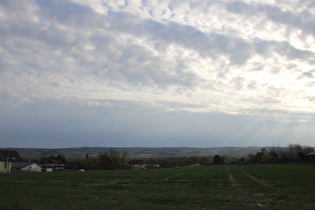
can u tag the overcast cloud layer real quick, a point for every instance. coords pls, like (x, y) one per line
(157, 73)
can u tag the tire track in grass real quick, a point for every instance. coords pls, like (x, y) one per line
(167, 178)
(255, 178)
(186, 170)
(257, 199)
(254, 200)
(233, 181)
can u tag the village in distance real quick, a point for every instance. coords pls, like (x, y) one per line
(103, 158)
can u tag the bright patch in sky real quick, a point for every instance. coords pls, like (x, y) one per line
(157, 73)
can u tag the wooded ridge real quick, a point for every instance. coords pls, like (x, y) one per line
(137, 152)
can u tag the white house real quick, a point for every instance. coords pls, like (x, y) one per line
(26, 167)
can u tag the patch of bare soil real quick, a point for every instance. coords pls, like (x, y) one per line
(260, 200)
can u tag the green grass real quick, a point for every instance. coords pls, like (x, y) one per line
(284, 186)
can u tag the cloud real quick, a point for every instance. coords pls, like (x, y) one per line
(303, 20)
(69, 14)
(235, 58)
(163, 32)
(283, 49)
(188, 37)
(309, 74)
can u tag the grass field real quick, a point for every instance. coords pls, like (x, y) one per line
(283, 186)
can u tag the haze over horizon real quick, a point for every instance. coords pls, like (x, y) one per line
(188, 73)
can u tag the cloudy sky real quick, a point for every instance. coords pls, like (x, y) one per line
(151, 73)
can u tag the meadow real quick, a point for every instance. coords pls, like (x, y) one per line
(265, 186)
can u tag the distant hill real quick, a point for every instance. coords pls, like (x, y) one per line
(137, 152)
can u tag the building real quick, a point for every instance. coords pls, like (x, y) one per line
(7, 157)
(310, 157)
(139, 166)
(5, 167)
(26, 167)
(53, 163)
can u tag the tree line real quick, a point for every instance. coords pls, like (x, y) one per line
(291, 153)
(114, 159)
(110, 160)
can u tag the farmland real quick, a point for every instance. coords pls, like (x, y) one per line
(277, 186)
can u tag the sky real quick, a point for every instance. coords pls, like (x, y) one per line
(148, 73)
